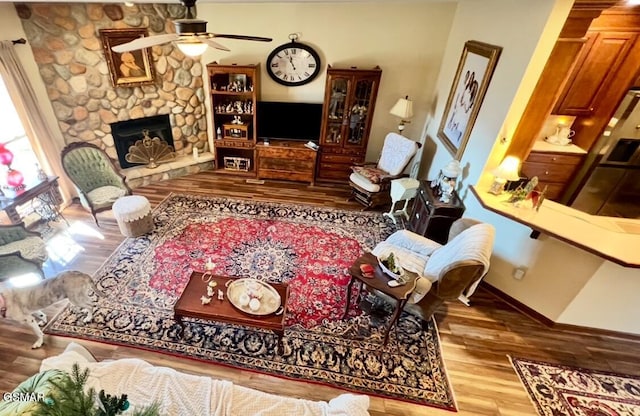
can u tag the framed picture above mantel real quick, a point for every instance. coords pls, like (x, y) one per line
(472, 78)
(127, 69)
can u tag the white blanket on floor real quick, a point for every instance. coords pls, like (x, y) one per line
(182, 394)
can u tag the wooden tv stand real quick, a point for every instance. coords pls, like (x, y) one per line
(288, 160)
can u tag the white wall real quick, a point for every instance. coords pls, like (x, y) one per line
(609, 300)
(406, 39)
(562, 282)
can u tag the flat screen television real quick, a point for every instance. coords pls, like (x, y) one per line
(288, 121)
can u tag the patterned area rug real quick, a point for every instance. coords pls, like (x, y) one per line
(560, 390)
(309, 248)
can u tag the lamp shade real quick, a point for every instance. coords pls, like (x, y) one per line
(192, 48)
(403, 108)
(508, 169)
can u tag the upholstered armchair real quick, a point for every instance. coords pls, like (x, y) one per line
(98, 182)
(21, 251)
(370, 183)
(447, 272)
(13, 264)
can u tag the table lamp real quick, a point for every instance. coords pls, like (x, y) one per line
(506, 171)
(403, 108)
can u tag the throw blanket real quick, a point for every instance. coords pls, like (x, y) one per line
(475, 244)
(177, 393)
(181, 394)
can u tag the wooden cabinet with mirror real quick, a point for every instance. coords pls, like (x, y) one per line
(234, 94)
(350, 97)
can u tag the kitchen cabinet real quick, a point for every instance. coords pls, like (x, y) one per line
(554, 170)
(431, 217)
(596, 67)
(349, 102)
(234, 93)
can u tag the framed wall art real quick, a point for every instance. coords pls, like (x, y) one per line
(127, 69)
(472, 78)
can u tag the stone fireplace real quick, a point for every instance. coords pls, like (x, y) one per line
(70, 57)
(126, 133)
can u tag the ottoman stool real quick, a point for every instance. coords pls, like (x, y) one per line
(133, 214)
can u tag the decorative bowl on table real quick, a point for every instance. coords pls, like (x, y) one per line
(254, 296)
(391, 267)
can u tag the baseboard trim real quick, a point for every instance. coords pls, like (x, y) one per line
(537, 316)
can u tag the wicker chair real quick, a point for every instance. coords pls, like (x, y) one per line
(98, 182)
(370, 183)
(21, 251)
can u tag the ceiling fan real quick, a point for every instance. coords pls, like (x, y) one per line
(191, 36)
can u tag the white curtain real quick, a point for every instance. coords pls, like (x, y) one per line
(35, 126)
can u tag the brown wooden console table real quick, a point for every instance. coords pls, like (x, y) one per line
(46, 192)
(286, 160)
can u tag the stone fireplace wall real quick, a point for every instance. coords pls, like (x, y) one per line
(65, 41)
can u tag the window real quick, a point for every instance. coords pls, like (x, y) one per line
(13, 136)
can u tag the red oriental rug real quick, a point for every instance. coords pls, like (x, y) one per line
(557, 390)
(310, 248)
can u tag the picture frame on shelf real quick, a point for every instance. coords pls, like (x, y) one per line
(127, 69)
(475, 69)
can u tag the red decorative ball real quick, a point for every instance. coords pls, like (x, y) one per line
(14, 178)
(6, 157)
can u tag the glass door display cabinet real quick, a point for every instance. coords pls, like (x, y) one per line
(234, 93)
(349, 101)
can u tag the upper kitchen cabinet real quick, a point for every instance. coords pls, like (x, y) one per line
(597, 66)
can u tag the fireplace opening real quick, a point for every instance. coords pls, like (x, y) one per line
(126, 133)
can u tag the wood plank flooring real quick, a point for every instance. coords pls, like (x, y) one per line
(475, 340)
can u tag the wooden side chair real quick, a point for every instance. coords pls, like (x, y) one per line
(98, 182)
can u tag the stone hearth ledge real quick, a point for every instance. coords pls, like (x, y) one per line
(183, 165)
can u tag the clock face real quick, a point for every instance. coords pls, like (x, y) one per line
(293, 64)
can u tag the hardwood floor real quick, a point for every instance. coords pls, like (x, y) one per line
(476, 340)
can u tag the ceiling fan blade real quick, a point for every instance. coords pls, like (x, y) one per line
(241, 37)
(215, 44)
(145, 42)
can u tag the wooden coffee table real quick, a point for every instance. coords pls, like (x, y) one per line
(379, 281)
(189, 305)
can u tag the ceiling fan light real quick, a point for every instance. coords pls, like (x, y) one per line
(191, 48)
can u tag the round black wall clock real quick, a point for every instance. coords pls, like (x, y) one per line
(293, 63)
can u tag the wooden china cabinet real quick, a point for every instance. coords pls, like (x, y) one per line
(234, 94)
(349, 101)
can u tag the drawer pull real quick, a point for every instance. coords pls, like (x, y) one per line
(554, 159)
(546, 172)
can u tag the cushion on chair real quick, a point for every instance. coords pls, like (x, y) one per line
(372, 174)
(105, 196)
(396, 153)
(31, 248)
(364, 183)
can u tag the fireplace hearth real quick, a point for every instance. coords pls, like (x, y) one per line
(126, 133)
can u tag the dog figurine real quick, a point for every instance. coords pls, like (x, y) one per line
(24, 304)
